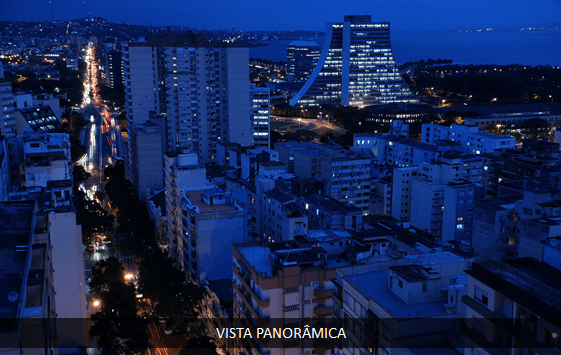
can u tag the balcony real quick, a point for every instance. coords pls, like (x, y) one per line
(244, 282)
(244, 296)
(323, 310)
(323, 292)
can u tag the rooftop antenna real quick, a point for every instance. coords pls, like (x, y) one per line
(84, 3)
(51, 5)
(288, 245)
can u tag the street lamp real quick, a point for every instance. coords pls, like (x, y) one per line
(128, 276)
(96, 303)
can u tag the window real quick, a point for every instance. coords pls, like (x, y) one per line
(481, 295)
(400, 283)
(424, 287)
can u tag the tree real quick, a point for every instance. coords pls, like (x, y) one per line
(164, 285)
(116, 324)
(104, 273)
(80, 174)
(99, 195)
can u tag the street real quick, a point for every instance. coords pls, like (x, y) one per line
(310, 124)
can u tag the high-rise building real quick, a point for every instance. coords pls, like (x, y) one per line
(145, 143)
(356, 67)
(260, 111)
(114, 68)
(301, 59)
(8, 121)
(200, 87)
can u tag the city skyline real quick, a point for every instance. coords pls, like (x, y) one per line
(253, 15)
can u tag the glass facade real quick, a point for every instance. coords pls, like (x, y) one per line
(301, 59)
(356, 68)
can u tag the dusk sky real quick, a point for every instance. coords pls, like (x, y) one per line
(295, 14)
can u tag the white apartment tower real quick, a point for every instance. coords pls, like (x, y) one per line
(260, 111)
(201, 88)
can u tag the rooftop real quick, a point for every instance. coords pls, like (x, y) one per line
(159, 200)
(406, 141)
(497, 203)
(296, 144)
(272, 164)
(330, 205)
(491, 135)
(442, 257)
(196, 198)
(258, 257)
(303, 44)
(279, 196)
(327, 235)
(374, 285)
(40, 118)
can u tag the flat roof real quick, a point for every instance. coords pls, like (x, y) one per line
(491, 135)
(258, 257)
(272, 163)
(406, 141)
(279, 196)
(374, 285)
(303, 44)
(330, 205)
(195, 197)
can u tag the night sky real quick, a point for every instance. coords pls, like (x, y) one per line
(295, 14)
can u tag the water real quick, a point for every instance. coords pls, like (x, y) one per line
(486, 47)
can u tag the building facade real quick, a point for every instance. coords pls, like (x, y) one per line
(356, 67)
(260, 111)
(200, 87)
(145, 143)
(301, 59)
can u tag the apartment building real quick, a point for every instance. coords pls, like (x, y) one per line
(27, 296)
(470, 139)
(307, 163)
(283, 282)
(282, 217)
(452, 165)
(402, 192)
(457, 216)
(398, 150)
(8, 120)
(5, 184)
(325, 212)
(427, 206)
(400, 303)
(260, 111)
(346, 176)
(147, 165)
(181, 171)
(217, 310)
(37, 158)
(286, 151)
(251, 160)
(496, 231)
(211, 221)
(39, 118)
(498, 170)
(201, 88)
(512, 306)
